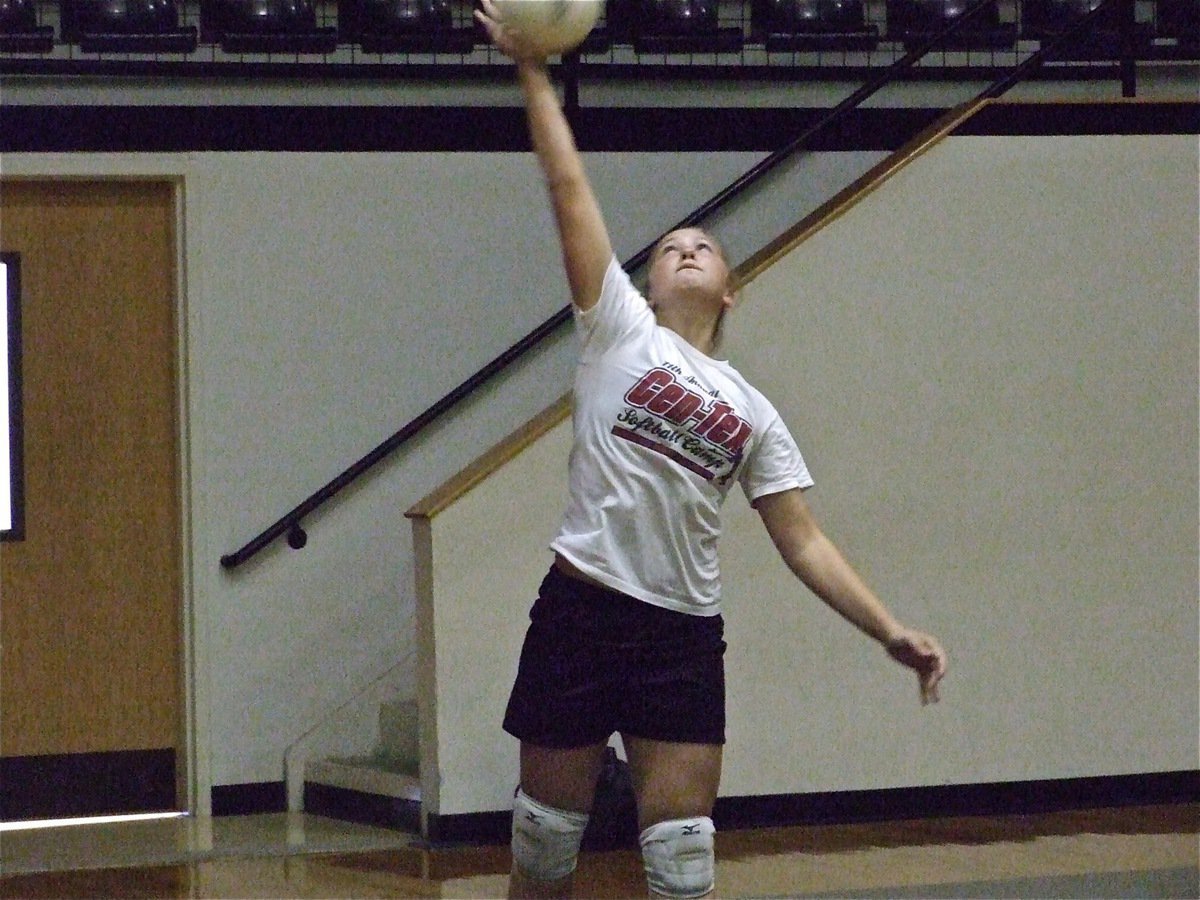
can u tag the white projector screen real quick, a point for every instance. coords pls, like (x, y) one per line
(11, 505)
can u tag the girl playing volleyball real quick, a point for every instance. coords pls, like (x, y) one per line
(626, 633)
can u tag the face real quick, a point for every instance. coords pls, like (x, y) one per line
(689, 264)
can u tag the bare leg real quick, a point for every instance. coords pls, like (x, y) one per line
(563, 779)
(673, 781)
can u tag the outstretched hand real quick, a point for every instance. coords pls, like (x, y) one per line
(508, 40)
(924, 655)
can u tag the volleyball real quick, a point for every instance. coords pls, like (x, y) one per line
(553, 26)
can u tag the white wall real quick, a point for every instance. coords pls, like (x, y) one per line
(305, 282)
(327, 300)
(350, 295)
(991, 366)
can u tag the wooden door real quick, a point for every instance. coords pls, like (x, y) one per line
(91, 599)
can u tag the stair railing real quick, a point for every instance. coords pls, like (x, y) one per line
(291, 523)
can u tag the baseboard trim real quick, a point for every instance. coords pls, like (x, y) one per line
(366, 809)
(249, 799)
(844, 807)
(994, 799)
(67, 785)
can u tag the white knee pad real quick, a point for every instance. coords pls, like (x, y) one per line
(679, 857)
(545, 840)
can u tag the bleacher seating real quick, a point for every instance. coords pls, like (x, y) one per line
(810, 36)
(265, 26)
(403, 26)
(673, 26)
(913, 22)
(1179, 21)
(783, 25)
(20, 31)
(126, 26)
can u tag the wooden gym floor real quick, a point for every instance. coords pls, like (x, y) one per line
(1150, 851)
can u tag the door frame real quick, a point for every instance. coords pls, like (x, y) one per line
(193, 789)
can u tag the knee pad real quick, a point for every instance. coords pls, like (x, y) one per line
(545, 840)
(679, 857)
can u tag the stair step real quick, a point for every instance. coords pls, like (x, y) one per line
(363, 790)
(367, 775)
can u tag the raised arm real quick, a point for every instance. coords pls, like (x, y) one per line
(816, 561)
(586, 247)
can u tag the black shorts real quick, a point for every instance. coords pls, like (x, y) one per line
(596, 662)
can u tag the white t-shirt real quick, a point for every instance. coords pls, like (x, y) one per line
(660, 432)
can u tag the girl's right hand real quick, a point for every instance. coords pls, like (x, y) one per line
(509, 41)
(925, 656)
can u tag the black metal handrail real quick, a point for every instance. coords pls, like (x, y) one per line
(290, 524)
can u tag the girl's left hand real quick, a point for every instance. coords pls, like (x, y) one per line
(924, 655)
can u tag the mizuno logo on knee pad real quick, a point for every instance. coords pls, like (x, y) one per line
(545, 840)
(679, 858)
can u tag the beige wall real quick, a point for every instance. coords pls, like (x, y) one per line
(325, 299)
(991, 366)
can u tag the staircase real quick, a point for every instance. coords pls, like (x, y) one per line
(329, 772)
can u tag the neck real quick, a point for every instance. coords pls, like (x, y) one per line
(699, 331)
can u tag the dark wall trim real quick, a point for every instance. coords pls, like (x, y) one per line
(164, 129)
(87, 784)
(248, 799)
(998, 799)
(1083, 118)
